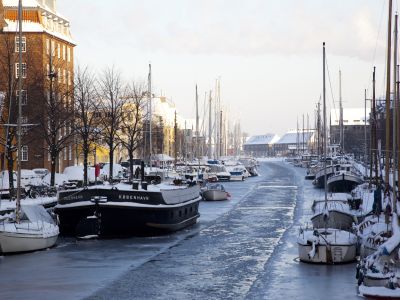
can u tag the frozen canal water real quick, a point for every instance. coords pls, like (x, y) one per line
(244, 248)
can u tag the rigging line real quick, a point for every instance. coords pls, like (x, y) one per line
(376, 43)
(330, 85)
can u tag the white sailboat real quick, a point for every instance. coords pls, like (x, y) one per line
(30, 228)
(325, 245)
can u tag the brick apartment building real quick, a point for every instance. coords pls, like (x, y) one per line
(48, 60)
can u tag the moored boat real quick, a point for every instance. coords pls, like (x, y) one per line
(345, 179)
(326, 246)
(35, 231)
(120, 210)
(215, 192)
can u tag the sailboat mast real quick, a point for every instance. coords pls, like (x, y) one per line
(398, 125)
(308, 134)
(324, 116)
(185, 145)
(319, 128)
(176, 140)
(18, 203)
(375, 144)
(297, 137)
(209, 126)
(220, 134)
(365, 133)
(341, 137)
(197, 154)
(302, 147)
(387, 102)
(394, 141)
(150, 113)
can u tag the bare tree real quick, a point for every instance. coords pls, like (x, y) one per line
(113, 98)
(86, 114)
(9, 98)
(56, 119)
(8, 82)
(131, 133)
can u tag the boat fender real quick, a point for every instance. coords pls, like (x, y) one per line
(311, 254)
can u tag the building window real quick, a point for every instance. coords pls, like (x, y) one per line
(24, 99)
(59, 75)
(63, 52)
(23, 41)
(69, 77)
(24, 129)
(48, 155)
(64, 75)
(68, 54)
(59, 50)
(47, 46)
(23, 70)
(65, 153)
(70, 153)
(24, 153)
(53, 52)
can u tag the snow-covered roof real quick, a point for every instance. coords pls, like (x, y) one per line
(36, 27)
(25, 3)
(50, 20)
(49, 5)
(292, 137)
(351, 116)
(265, 139)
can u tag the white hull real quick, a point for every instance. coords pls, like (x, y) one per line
(237, 178)
(379, 292)
(334, 254)
(215, 195)
(14, 242)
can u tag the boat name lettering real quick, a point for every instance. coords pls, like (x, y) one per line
(74, 197)
(134, 197)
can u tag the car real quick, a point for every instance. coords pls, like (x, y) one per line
(41, 172)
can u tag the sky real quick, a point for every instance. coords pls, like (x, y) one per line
(266, 53)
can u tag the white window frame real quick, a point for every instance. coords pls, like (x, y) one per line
(24, 97)
(24, 120)
(47, 46)
(63, 52)
(24, 153)
(59, 50)
(53, 45)
(23, 70)
(17, 44)
(65, 153)
(68, 54)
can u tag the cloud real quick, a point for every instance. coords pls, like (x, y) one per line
(254, 28)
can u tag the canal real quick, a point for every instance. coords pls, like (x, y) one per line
(244, 248)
